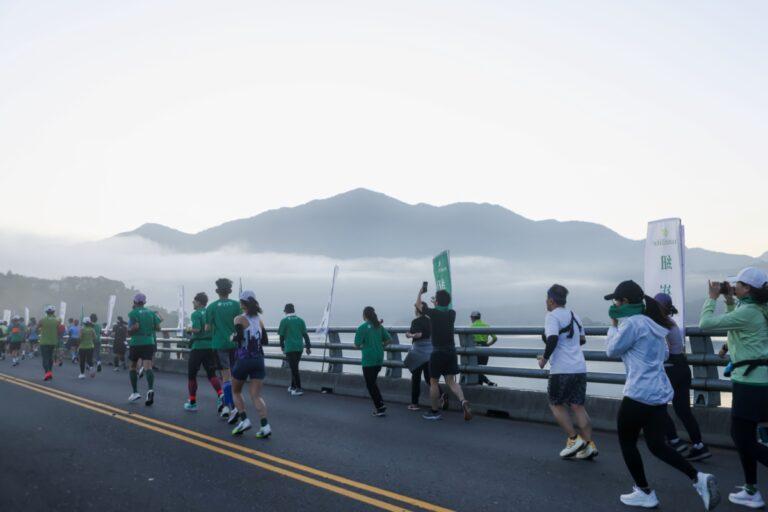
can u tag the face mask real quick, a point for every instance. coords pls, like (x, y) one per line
(625, 310)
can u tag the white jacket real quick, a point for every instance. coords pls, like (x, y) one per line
(641, 343)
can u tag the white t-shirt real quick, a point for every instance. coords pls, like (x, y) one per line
(567, 357)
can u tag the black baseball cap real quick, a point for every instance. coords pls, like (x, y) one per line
(629, 290)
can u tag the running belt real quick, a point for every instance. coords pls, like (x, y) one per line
(751, 364)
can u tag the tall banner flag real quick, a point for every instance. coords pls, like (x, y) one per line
(441, 266)
(326, 321)
(7, 316)
(111, 310)
(665, 264)
(63, 312)
(26, 316)
(181, 310)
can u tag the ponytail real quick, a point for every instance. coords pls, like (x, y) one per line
(369, 314)
(655, 312)
(759, 294)
(252, 307)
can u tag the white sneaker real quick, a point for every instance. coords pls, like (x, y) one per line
(638, 498)
(92, 372)
(297, 392)
(264, 432)
(706, 486)
(589, 452)
(573, 446)
(242, 427)
(134, 397)
(81, 376)
(747, 500)
(233, 416)
(224, 414)
(290, 389)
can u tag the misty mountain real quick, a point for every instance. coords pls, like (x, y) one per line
(365, 224)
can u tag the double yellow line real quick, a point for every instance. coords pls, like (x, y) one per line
(283, 467)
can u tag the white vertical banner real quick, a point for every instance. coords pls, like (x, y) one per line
(181, 311)
(63, 312)
(665, 264)
(111, 310)
(26, 316)
(326, 321)
(7, 316)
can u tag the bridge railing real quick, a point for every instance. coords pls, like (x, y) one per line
(706, 383)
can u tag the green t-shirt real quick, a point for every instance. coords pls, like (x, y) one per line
(17, 333)
(49, 330)
(148, 322)
(97, 330)
(87, 337)
(220, 317)
(372, 340)
(293, 329)
(200, 340)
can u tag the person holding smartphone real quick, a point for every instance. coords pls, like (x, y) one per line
(747, 326)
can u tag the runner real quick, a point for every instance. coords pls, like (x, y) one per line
(250, 338)
(58, 354)
(679, 374)
(292, 332)
(142, 325)
(33, 336)
(3, 340)
(49, 339)
(638, 336)
(97, 341)
(747, 326)
(417, 360)
(567, 389)
(85, 350)
(16, 335)
(482, 340)
(220, 323)
(443, 361)
(371, 337)
(74, 338)
(119, 337)
(201, 353)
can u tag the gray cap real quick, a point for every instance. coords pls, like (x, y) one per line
(247, 294)
(474, 314)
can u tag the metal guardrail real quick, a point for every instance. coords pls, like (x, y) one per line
(706, 381)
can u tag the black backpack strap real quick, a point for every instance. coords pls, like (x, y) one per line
(569, 328)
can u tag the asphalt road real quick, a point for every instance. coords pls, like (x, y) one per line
(327, 453)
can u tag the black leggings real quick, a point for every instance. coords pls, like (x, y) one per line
(293, 362)
(47, 352)
(416, 381)
(86, 356)
(371, 373)
(680, 376)
(651, 420)
(744, 434)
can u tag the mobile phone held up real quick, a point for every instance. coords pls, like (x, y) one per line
(424, 287)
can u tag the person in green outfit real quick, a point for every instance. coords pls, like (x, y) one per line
(371, 337)
(142, 326)
(97, 341)
(85, 350)
(747, 327)
(200, 354)
(49, 340)
(292, 332)
(482, 340)
(220, 323)
(16, 335)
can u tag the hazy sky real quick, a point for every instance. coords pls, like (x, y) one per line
(117, 113)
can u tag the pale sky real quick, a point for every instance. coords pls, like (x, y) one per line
(192, 113)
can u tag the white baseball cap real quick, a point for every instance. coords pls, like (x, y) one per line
(86, 320)
(753, 276)
(247, 294)
(50, 309)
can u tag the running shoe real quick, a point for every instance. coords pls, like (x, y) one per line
(706, 486)
(432, 415)
(117, 369)
(639, 498)
(414, 407)
(224, 412)
(290, 389)
(219, 403)
(92, 372)
(492, 384)
(190, 406)
(134, 397)
(98, 366)
(264, 432)
(589, 452)
(81, 376)
(297, 392)
(467, 410)
(14, 363)
(573, 446)
(679, 445)
(150, 397)
(48, 376)
(242, 427)
(380, 411)
(233, 416)
(745, 499)
(698, 453)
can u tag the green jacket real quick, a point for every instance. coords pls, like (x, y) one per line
(747, 326)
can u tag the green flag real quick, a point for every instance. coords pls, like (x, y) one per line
(441, 265)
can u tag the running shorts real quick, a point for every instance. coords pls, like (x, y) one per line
(567, 388)
(14, 345)
(143, 352)
(225, 359)
(251, 367)
(442, 363)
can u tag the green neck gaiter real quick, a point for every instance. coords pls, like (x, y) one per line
(626, 310)
(442, 308)
(747, 300)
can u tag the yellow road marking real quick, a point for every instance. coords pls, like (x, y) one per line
(143, 421)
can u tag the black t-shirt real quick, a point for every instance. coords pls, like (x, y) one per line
(442, 327)
(422, 325)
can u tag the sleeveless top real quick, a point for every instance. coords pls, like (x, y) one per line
(250, 347)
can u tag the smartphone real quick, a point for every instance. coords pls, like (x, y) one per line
(424, 287)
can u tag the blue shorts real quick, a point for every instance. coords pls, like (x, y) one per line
(250, 367)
